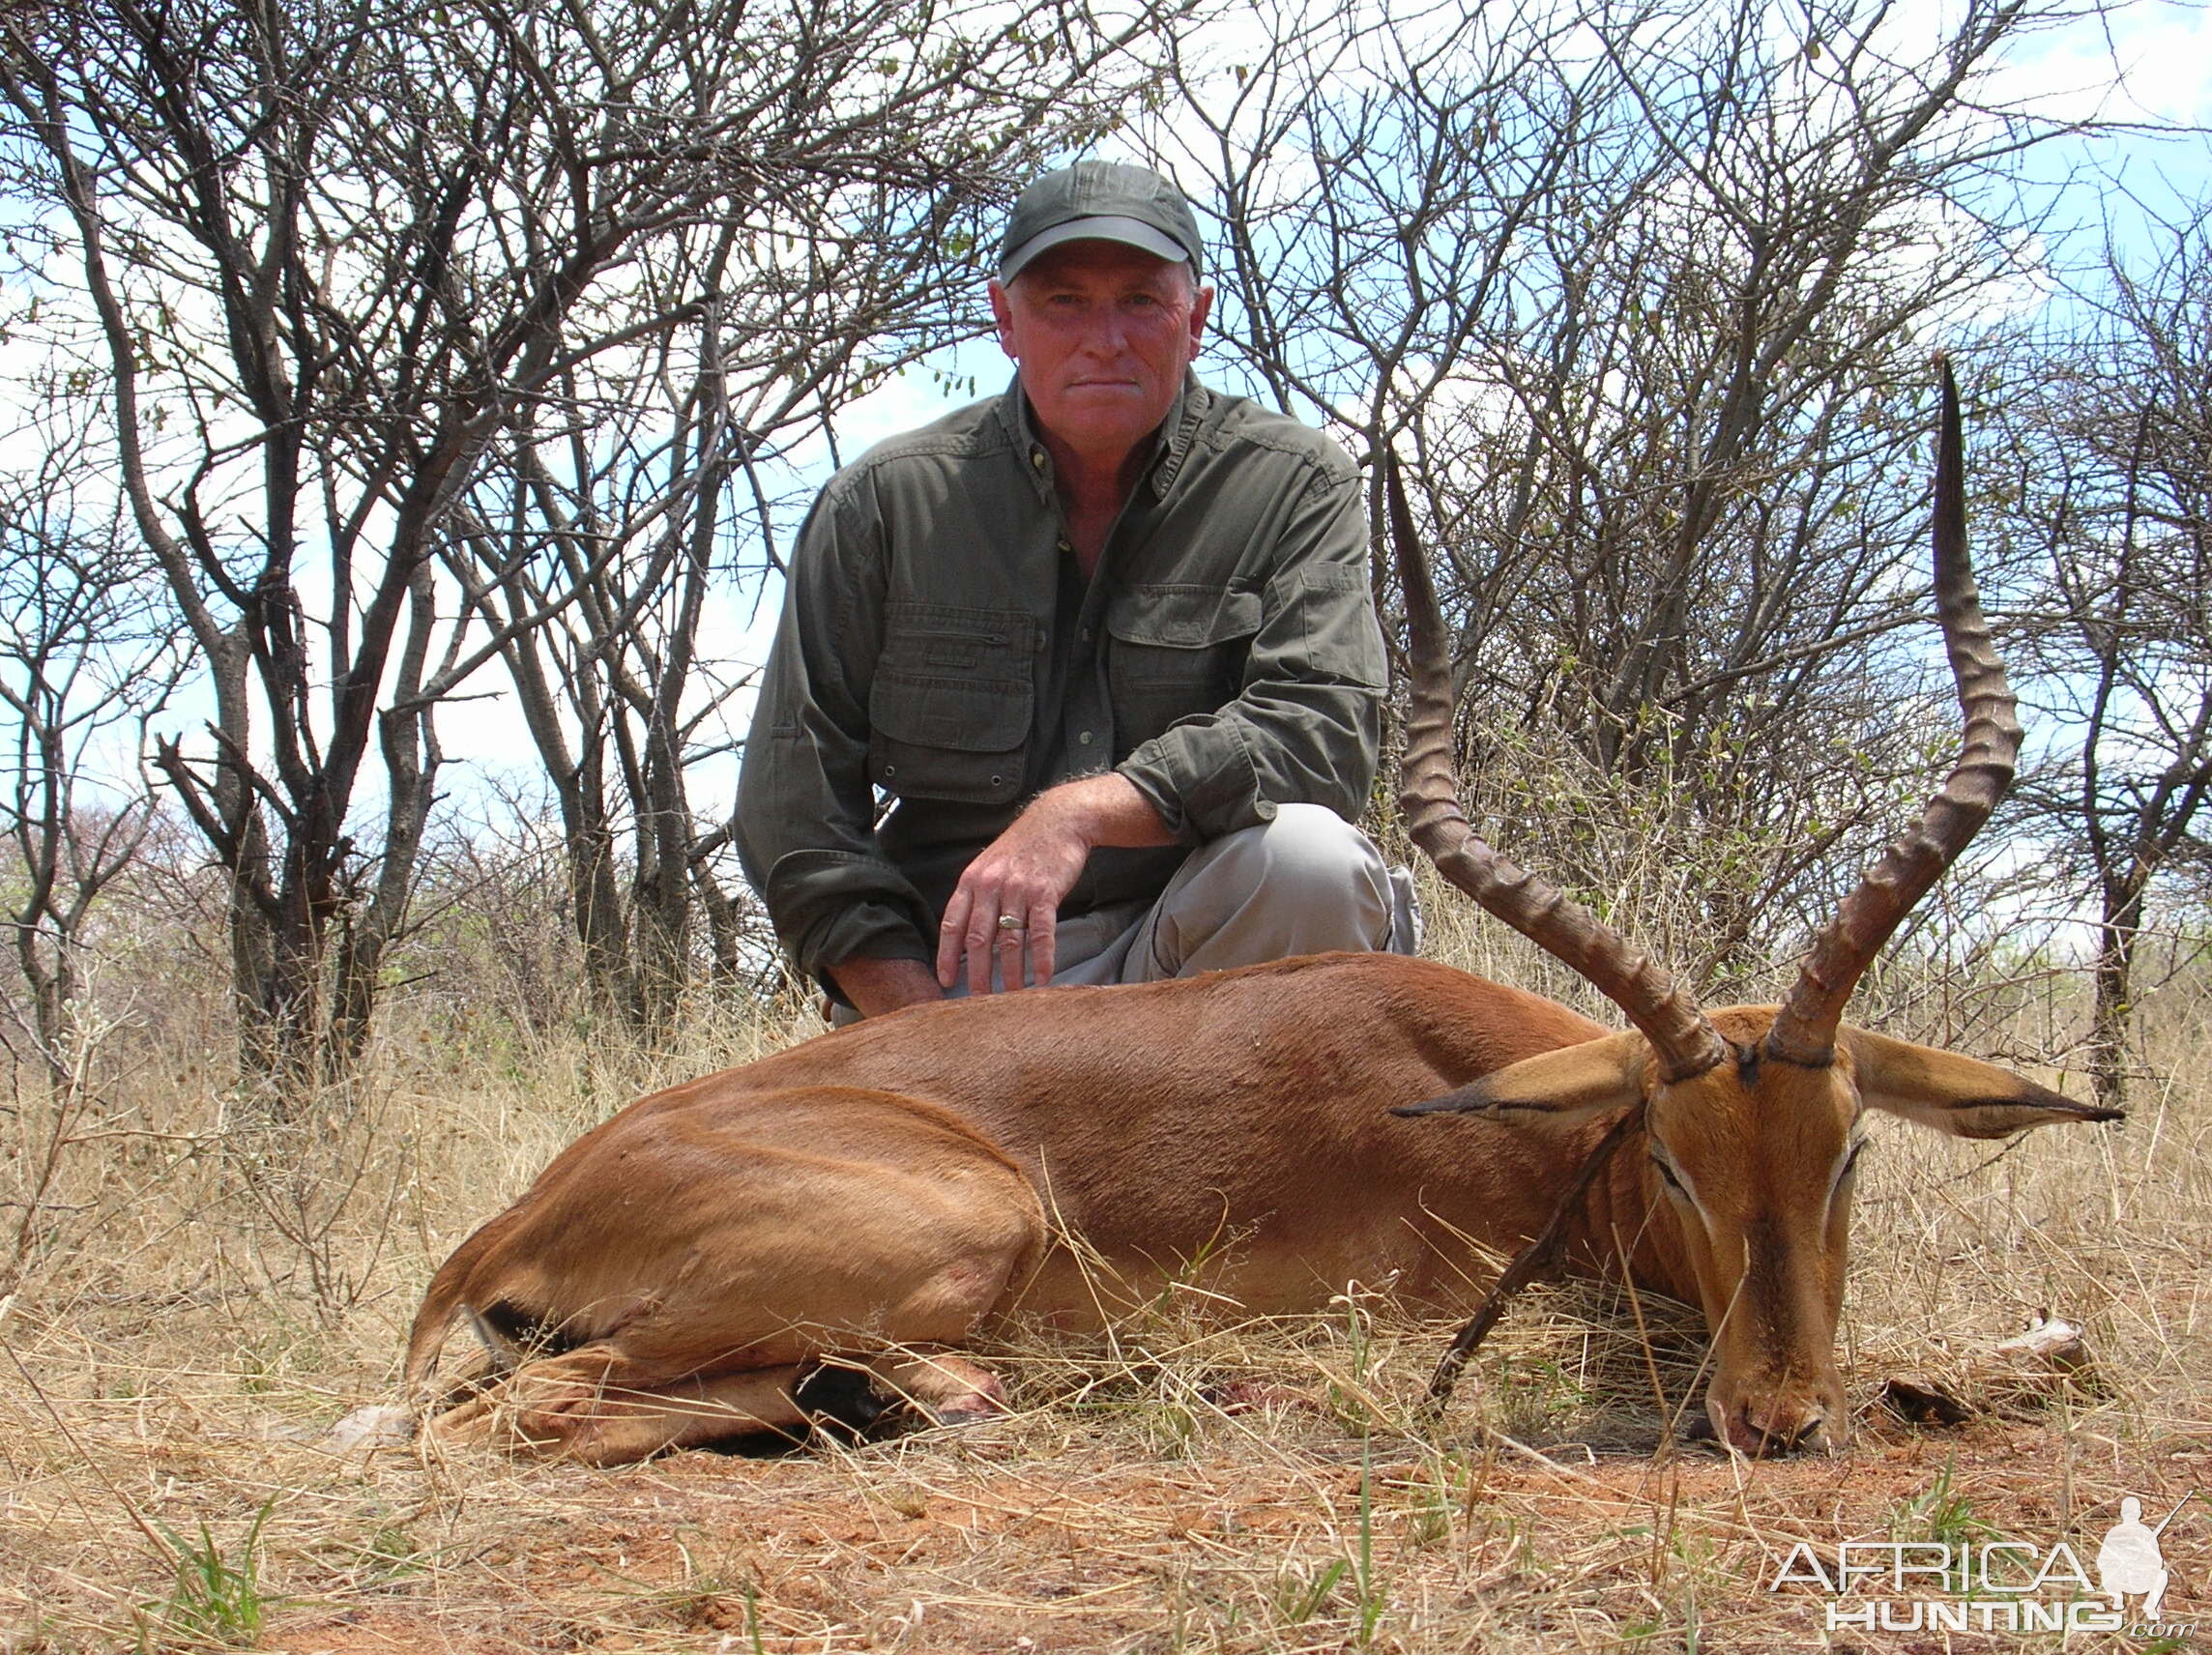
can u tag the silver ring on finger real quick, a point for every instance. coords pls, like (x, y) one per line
(1010, 922)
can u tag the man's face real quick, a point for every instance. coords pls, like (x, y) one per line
(1103, 334)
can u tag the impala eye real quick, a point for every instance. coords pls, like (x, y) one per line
(1672, 1178)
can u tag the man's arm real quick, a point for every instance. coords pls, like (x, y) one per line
(877, 986)
(1305, 725)
(805, 809)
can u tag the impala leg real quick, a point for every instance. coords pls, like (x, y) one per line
(828, 1243)
(642, 1392)
(945, 1389)
(572, 1407)
(592, 1405)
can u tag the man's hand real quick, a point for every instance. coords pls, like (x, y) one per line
(1027, 872)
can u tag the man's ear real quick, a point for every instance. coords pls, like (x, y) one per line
(1946, 1093)
(1002, 315)
(1556, 1089)
(1201, 306)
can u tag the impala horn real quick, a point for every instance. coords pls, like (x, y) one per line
(1686, 1042)
(1804, 1032)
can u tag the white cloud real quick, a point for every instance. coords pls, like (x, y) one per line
(2140, 62)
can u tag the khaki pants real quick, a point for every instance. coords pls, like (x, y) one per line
(1307, 883)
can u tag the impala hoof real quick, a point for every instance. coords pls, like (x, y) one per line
(841, 1400)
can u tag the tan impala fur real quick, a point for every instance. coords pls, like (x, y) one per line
(867, 1201)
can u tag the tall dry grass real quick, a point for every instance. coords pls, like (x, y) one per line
(201, 1293)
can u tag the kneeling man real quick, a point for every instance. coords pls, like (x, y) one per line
(1107, 642)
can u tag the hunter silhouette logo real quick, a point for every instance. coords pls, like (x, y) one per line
(1995, 1585)
(2130, 1562)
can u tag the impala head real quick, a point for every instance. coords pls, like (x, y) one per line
(1753, 1116)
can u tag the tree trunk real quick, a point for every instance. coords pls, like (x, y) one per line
(588, 844)
(662, 909)
(2113, 1019)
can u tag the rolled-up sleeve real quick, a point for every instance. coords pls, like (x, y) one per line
(1305, 725)
(805, 809)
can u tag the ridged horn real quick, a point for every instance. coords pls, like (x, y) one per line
(1805, 1031)
(1687, 1044)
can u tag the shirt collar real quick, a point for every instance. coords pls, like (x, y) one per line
(1171, 443)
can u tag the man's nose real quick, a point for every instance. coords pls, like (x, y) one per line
(1107, 336)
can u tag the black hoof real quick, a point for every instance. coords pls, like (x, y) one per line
(841, 1400)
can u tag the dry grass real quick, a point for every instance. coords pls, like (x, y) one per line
(209, 1295)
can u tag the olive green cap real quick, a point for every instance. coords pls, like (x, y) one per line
(1101, 200)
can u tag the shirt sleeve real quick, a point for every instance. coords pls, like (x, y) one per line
(1305, 726)
(806, 816)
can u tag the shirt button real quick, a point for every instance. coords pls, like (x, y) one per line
(1085, 738)
(1065, 546)
(1087, 634)
(1036, 458)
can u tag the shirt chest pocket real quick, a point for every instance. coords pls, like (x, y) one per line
(952, 703)
(1177, 651)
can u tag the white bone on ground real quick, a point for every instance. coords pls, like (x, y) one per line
(375, 1425)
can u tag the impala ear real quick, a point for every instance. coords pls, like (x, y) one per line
(1963, 1096)
(1558, 1088)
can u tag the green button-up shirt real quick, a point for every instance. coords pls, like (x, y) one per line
(940, 650)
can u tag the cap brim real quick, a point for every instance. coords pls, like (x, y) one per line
(1129, 232)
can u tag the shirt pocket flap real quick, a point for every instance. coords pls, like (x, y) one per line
(966, 715)
(1182, 616)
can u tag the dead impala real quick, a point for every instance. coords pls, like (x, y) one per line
(728, 1255)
